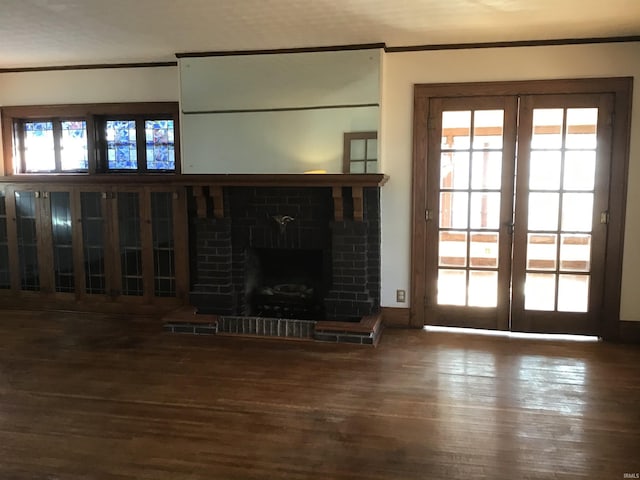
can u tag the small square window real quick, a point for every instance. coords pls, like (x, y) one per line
(360, 153)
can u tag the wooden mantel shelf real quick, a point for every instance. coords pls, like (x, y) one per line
(219, 180)
(215, 183)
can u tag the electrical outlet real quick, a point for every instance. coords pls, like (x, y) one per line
(401, 296)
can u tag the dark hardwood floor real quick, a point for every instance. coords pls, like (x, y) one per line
(85, 396)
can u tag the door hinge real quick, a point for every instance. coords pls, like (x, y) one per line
(604, 217)
(431, 123)
(428, 214)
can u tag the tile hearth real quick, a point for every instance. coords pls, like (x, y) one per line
(187, 321)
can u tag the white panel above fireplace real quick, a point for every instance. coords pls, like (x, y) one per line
(280, 80)
(271, 142)
(276, 112)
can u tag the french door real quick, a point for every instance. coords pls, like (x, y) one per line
(517, 211)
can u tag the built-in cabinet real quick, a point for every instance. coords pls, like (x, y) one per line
(87, 243)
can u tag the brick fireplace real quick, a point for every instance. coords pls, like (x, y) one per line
(286, 251)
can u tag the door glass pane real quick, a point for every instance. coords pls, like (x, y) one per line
(542, 251)
(454, 210)
(573, 293)
(483, 289)
(575, 253)
(456, 130)
(577, 212)
(5, 279)
(470, 200)
(488, 129)
(486, 170)
(454, 170)
(540, 291)
(93, 241)
(163, 246)
(485, 210)
(62, 241)
(543, 211)
(579, 170)
(453, 249)
(73, 146)
(547, 128)
(452, 287)
(484, 250)
(544, 170)
(27, 240)
(130, 243)
(581, 128)
(565, 162)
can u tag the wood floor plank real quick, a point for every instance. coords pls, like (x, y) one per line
(114, 398)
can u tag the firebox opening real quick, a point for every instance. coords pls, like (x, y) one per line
(285, 283)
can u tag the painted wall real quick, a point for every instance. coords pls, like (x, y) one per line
(88, 86)
(402, 70)
(276, 113)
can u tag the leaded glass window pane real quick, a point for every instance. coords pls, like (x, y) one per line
(39, 150)
(130, 243)
(27, 240)
(73, 146)
(62, 240)
(121, 145)
(93, 241)
(160, 144)
(163, 245)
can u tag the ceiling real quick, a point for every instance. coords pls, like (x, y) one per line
(66, 32)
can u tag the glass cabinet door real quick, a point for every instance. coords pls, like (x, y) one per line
(130, 243)
(164, 273)
(62, 241)
(5, 279)
(92, 218)
(27, 241)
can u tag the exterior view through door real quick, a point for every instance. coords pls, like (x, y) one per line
(517, 211)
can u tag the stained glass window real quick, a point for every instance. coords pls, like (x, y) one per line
(73, 146)
(39, 150)
(160, 144)
(121, 145)
(53, 146)
(87, 139)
